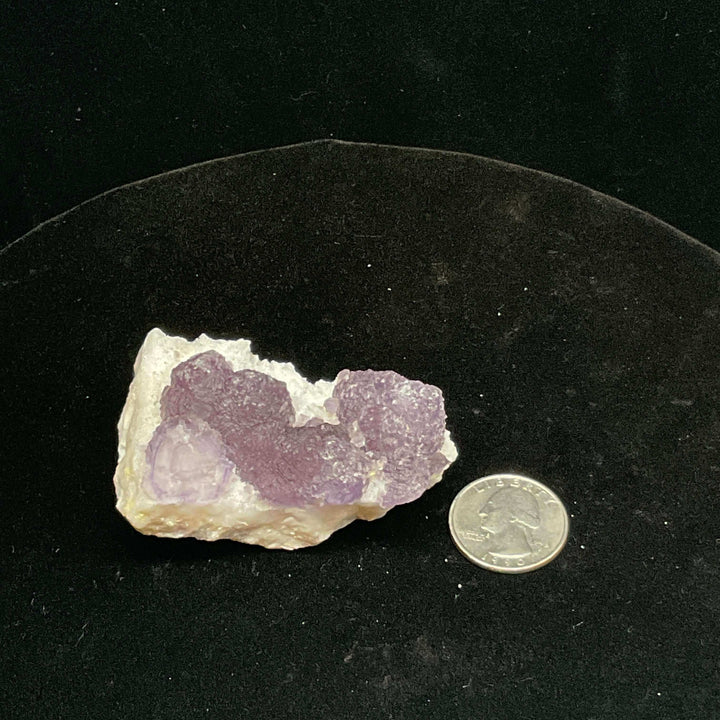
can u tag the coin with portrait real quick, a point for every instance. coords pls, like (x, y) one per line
(508, 523)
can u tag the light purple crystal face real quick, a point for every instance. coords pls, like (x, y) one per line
(215, 420)
(401, 420)
(188, 462)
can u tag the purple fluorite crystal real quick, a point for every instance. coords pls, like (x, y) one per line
(188, 462)
(401, 420)
(215, 420)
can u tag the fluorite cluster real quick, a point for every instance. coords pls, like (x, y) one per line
(216, 443)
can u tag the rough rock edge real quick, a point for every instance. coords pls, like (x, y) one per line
(241, 514)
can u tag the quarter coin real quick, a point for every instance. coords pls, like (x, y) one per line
(508, 523)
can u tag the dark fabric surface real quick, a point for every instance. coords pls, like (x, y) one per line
(576, 340)
(620, 95)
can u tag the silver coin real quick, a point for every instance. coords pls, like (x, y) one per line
(508, 523)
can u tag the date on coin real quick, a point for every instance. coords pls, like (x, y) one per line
(508, 523)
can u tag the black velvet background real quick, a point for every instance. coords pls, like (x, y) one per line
(620, 95)
(600, 379)
(576, 341)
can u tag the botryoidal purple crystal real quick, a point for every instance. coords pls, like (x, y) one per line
(216, 420)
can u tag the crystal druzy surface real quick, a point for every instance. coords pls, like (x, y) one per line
(215, 419)
(216, 442)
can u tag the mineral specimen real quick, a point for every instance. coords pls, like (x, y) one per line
(217, 443)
